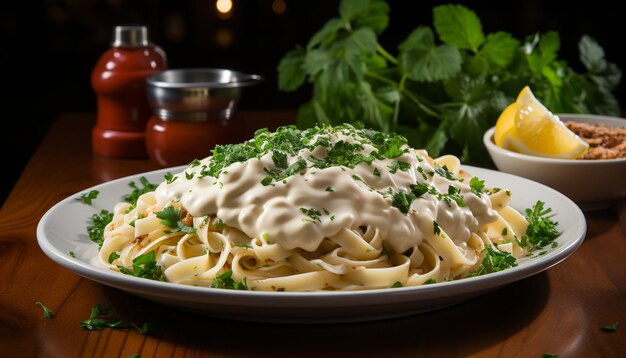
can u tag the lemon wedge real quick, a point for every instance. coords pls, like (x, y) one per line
(527, 126)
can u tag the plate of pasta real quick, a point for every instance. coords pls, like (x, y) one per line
(328, 224)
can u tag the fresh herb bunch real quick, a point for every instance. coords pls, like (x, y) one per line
(444, 92)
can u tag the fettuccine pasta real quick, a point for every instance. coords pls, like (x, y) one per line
(331, 208)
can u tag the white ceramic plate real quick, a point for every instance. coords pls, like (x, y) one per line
(63, 229)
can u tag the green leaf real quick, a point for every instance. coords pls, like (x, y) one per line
(144, 266)
(361, 42)
(326, 34)
(591, 54)
(100, 318)
(316, 61)
(423, 61)
(306, 116)
(291, 73)
(226, 281)
(169, 216)
(98, 222)
(476, 66)
(541, 230)
(494, 261)
(605, 74)
(438, 141)
(87, 198)
(611, 329)
(134, 195)
(549, 45)
(609, 78)
(113, 256)
(499, 48)
(422, 37)
(458, 26)
(477, 186)
(365, 13)
(47, 313)
(542, 50)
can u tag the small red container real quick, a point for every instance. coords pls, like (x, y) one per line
(178, 142)
(119, 82)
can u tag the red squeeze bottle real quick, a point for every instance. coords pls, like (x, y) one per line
(119, 82)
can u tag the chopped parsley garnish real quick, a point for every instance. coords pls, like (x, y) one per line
(550, 355)
(218, 224)
(312, 215)
(494, 261)
(436, 228)
(541, 230)
(421, 171)
(144, 266)
(87, 198)
(100, 318)
(113, 256)
(445, 172)
(453, 195)
(286, 142)
(279, 175)
(279, 159)
(344, 154)
(397, 284)
(505, 231)
(611, 329)
(329, 189)
(98, 223)
(402, 200)
(226, 281)
(189, 176)
(397, 164)
(47, 313)
(170, 217)
(137, 192)
(419, 189)
(477, 186)
(72, 254)
(142, 330)
(430, 281)
(194, 163)
(245, 246)
(169, 178)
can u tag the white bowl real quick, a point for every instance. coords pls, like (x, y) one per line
(592, 184)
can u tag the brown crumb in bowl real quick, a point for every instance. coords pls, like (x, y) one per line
(604, 142)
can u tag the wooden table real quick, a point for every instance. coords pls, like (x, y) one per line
(560, 311)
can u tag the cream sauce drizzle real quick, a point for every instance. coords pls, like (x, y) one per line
(274, 212)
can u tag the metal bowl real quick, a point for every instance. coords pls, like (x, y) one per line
(197, 93)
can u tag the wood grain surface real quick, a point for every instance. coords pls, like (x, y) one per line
(560, 311)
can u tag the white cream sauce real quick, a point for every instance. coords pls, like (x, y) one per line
(274, 211)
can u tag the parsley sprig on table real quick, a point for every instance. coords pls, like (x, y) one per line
(47, 313)
(446, 84)
(101, 317)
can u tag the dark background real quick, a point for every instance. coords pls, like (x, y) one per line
(50, 47)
